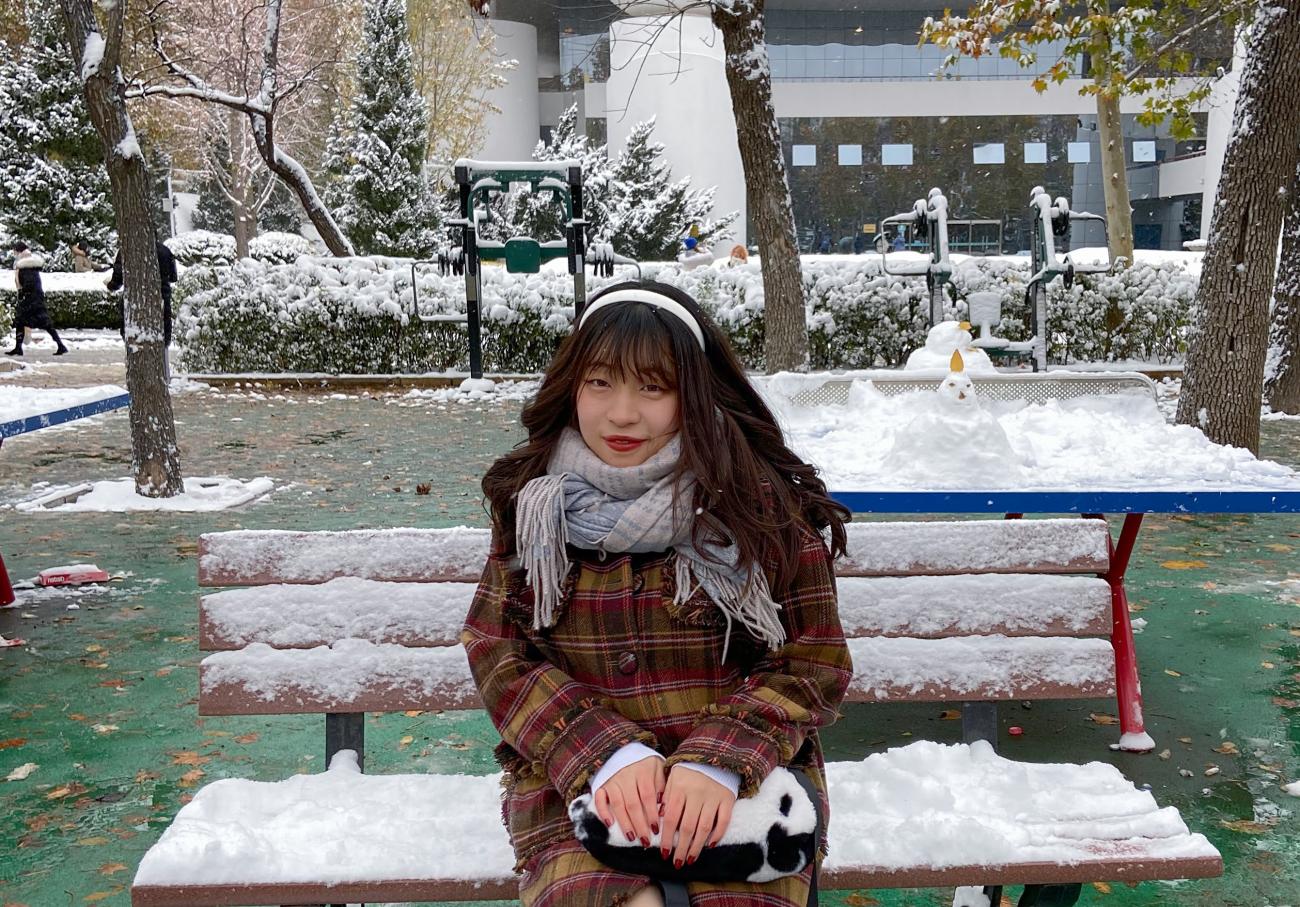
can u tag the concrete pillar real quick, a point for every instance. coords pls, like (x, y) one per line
(513, 133)
(671, 68)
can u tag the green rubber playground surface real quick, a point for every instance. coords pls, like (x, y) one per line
(102, 697)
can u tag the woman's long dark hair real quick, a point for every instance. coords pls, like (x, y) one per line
(749, 481)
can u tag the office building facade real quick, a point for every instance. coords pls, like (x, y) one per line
(869, 120)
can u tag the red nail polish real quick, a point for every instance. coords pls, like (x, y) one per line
(677, 864)
(630, 837)
(663, 852)
(661, 810)
(654, 829)
(645, 842)
(690, 860)
(609, 823)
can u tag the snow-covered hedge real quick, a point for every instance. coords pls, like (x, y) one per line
(357, 315)
(280, 248)
(91, 308)
(203, 247)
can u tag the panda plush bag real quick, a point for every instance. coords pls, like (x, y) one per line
(771, 835)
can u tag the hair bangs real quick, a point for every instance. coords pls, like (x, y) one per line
(631, 342)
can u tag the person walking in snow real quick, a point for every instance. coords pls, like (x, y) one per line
(31, 311)
(167, 272)
(656, 630)
(81, 260)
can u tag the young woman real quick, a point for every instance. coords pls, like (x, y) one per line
(657, 623)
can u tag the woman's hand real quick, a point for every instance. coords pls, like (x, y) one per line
(697, 809)
(631, 796)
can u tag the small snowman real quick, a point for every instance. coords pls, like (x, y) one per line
(944, 339)
(953, 441)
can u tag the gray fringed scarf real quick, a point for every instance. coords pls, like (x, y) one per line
(585, 502)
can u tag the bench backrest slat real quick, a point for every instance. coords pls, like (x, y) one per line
(259, 557)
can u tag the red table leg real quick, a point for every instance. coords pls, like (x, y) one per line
(1128, 689)
(7, 596)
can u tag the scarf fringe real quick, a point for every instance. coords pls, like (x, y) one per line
(543, 536)
(749, 603)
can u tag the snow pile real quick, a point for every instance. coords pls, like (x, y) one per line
(923, 805)
(202, 493)
(18, 402)
(280, 248)
(1108, 442)
(503, 391)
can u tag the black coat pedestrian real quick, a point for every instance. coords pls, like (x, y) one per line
(167, 272)
(30, 310)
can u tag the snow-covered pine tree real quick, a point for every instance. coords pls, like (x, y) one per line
(53, 185)
(374, 160)
(649, 214)
(538, 215)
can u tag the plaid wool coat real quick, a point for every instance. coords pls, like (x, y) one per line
(624, 663)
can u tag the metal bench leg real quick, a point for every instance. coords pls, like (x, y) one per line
(345, 731)
(979, 721)
(1128, 689)
(1050, 895)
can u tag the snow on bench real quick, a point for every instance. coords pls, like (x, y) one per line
(258, 557)
(288, 615)
(926, 814)
(357, 675)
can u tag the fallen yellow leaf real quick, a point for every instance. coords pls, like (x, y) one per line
(99, 895)
(413, 713)
(1099, 718)
(92, 842)
(1267, 664)
(109, 868)
(94, 647)
(247, 738)
(1227, 747)
(1183, 565)
(949, 715)
(406, 741)
(1248, 826)
(189, 758)
(1278, 546)
(1172, 673)
(190, 778)
(1102, 887)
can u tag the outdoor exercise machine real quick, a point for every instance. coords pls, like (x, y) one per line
(1052, 222)
(477, 182)
(928, 220)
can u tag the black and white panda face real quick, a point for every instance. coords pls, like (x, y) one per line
(771, 835)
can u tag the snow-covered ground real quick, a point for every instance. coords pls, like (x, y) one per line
(918, 441)
(202, 493)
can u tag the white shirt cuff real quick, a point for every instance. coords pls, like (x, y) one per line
(622, 758)
(724, 776)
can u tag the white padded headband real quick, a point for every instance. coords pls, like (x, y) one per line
(649, 297)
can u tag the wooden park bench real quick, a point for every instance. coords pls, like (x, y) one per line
(344, 623)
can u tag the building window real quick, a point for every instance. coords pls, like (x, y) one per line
(1144, 152)
(991, 153)
(1079, 152)
(896, 155)
(1035, 152)
(850, 155)
(804, 155)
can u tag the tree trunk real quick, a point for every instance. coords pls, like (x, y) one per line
(1282, 384)
(243, 216)
(156, 461)
(1114, 173)
(767, 192)
(1222, 383)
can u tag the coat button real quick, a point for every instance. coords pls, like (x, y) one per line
(627, 663)
(638, 582)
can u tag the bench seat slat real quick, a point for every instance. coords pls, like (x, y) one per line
(975, 604)
(359, 676)
(257, 557)
(1118, 866)
(286, 615)
(926, 814)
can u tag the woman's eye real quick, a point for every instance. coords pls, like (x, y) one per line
(597, 382)
(652, 388)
